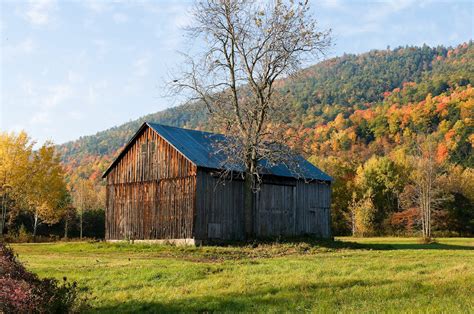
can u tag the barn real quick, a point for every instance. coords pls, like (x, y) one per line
(166, 185)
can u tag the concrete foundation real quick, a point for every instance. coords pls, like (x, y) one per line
(178, 242)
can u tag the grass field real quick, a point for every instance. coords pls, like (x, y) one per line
(350, 275)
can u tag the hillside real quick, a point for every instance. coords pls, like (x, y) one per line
(332, 92)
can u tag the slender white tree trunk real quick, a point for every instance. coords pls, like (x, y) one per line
(80, 223)
(35, 224)
(65, 227)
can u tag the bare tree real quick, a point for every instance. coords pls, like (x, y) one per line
(86, 197)
(425, 191)
(249, 46)
(79, 196)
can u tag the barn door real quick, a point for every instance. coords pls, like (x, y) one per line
(275, 210)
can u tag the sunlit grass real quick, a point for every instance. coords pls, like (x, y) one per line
(377, 274)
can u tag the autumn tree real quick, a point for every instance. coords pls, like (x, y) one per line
(15, 151)
(86, 196)
(458, 183)
(249, 45)
(426, 192)
(31, 181)
(363, 214)
(47, 193)
(343, 172)
(385, 180)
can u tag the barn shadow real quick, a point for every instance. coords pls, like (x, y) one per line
(339, 244)
(397, 246)
(272, 298)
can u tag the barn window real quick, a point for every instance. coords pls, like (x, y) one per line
(144, 148)
(153, 147)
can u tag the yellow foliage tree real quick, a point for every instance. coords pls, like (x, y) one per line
(363, 216)
(47, 193)
(15, 152)
(30, 180)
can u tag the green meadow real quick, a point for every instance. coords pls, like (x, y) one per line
(348, 275)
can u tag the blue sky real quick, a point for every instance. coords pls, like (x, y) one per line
(72, 68)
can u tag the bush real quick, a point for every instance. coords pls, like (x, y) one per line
(23, 235)
(23, 292)
(364, 216)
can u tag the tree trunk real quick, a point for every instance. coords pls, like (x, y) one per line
(3, 217)
(248, 205)
(249, 189)
(35, 226)
(65, 227)
(353, 223)
(80, 224)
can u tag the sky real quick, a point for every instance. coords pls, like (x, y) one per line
(73, 68)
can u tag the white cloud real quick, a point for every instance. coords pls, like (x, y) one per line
(75, 115)
(182, 19)
(379, 11)
(57, 95)
(39, 12)
(3, 27)
(43, 105)
(24, 47)
(96, 90)
(74, 77)
(17, 128)
(141, 65)
(42, 117)
(102, 47)
(331, 4)
(27, 88)
(97, 6)
(120, 18)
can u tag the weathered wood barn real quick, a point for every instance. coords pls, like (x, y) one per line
(165, 184)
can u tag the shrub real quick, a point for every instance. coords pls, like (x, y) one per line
(23, 235)
(363, 212)
(23, 292)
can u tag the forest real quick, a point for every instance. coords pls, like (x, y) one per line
(385, 125)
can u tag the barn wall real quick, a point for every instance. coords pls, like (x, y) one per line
(219, 213)
(275, 209)
(283, 207)
(313, 209)
(151, 192)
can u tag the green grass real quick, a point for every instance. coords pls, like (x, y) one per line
(349, 275)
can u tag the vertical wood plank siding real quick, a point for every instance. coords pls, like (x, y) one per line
(313, 208)
(275, 210)
(151, 192)
(154, 192)
(219, 208)
(283, 207)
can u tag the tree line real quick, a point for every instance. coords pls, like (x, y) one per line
(400, 169)
(377, 148)
(36, 198)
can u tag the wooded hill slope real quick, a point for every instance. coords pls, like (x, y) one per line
(357, 117)
(326, 93)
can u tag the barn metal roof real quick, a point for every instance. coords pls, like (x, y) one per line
(199, 148)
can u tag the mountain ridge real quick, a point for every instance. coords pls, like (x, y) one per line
(340, 85)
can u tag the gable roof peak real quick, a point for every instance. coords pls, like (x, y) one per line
(199, 148)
